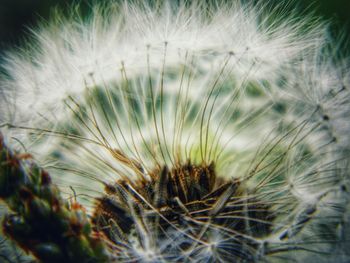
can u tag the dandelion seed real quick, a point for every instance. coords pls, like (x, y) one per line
(191, 132)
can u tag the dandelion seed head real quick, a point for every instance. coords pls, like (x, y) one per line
(190, 131)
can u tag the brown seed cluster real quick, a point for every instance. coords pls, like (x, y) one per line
(189, 205)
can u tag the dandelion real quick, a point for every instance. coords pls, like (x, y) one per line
(190, 132)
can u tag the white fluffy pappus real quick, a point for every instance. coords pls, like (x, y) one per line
(137, 87)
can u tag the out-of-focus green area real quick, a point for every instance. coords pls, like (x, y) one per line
(17, 15)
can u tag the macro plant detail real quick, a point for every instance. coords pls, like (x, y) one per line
(177, 132)
(181, 211)
(43, 223)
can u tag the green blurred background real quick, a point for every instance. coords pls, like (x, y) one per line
(17, 15)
